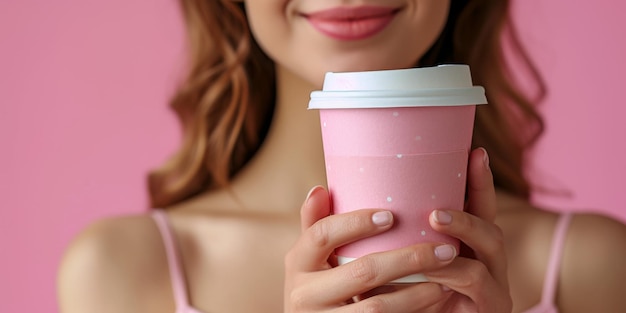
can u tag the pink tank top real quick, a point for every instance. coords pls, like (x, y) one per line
(181, 297)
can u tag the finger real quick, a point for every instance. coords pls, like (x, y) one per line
(472, 279)
(481, 191)
(484, 238)
(315, 207)
(488, 246)
(314, 247)
(406, 298)
(375, 270)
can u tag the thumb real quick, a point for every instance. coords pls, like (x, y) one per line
(481, 191)
(315, 207)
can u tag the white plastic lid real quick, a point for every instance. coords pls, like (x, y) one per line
(444, 85)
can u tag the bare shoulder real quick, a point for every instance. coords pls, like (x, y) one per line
(593, 275)
(112, 265)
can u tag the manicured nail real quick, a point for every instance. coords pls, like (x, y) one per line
(485, 157)
(445, 252)
(311, 192)
(382, 218)
(443, 217)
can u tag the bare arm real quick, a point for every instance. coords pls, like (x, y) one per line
(593, 276)
(113, 266)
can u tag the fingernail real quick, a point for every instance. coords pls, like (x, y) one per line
(485, 157)
(311, 192)
(443, 217)
(445, 252)
(445, 288)
(382, 218)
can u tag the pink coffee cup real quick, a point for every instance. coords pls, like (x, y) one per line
(399, 140)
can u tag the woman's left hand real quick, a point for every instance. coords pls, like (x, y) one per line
(478, 277)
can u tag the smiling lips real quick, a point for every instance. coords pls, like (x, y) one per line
(351, 23)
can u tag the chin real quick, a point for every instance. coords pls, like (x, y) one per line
(366, 65)
(315, 70)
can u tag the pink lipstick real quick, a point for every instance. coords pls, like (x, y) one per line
(352, 23)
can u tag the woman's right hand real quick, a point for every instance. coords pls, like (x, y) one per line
(313, 282)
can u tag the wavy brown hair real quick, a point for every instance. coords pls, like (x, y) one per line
(226, 101)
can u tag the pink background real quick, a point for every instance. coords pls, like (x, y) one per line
(83, 92)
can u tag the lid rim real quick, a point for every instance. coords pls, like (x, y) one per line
(400, 98)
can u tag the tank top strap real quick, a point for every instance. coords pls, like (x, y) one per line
(554, 264)
(176, 273)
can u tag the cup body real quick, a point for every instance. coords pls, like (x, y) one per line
(399, 142)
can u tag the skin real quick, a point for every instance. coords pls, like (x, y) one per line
(286, 36)
(273, 249)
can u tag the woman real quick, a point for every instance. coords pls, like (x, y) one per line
(230, 235)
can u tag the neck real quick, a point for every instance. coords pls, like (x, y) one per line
(291, 161)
